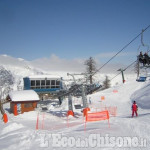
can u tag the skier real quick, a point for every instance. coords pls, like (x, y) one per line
(134, 109)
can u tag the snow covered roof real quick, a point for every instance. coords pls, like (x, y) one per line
(44, 76)
(25, 95)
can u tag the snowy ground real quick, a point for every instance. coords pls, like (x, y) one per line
(55, 132)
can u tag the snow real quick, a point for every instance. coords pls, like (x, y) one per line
(11, 127)
(25, 95)
(44, 76)
(20, 131)
(142, 96)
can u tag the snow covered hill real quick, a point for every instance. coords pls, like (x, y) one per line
(18, 66)
(142, 96)
(21, 68)
(20, 132)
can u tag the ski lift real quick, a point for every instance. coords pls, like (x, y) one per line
(142, 76)
(141, 79)
(145, 59)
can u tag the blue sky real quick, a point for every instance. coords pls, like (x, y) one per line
(70, 29)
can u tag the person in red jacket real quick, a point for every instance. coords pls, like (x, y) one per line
(134, 109)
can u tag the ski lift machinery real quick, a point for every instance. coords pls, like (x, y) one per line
(142, 70)
(82, 89)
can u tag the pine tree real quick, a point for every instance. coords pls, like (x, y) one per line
(106, 83)
(90, 68)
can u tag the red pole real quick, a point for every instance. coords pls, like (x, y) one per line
(15, 110)
(5, 118)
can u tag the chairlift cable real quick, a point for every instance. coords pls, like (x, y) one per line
(121, 50)
(124, 69)
(142, 38)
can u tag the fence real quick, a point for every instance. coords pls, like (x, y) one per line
(111, 109)
(46, 121)
(97, 116)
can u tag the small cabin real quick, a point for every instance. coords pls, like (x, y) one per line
(23, 101)
(43, 83)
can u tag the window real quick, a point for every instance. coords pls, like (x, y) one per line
(33, 85)
(27, 105)
(47, 82)
(57, 84)
(53, 84)
(32, 82)
(42, 82)
(37, 82)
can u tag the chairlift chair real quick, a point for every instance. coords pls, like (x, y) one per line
(141, 79)
(142, 60)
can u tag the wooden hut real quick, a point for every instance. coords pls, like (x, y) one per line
(23, 101)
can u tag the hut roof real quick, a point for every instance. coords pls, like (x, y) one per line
(24, 95)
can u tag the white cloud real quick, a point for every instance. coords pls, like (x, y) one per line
(54, 63)
(57, 64)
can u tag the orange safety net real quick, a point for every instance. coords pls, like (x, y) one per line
(40, 121)
(97, 116)
(43, 122)
(112, 110)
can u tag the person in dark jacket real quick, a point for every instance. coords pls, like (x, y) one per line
(146, 58)
(142, 59)
(134, 109)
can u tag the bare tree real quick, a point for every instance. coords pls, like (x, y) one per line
(6, 77)
(106, 83)
(90, 68)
